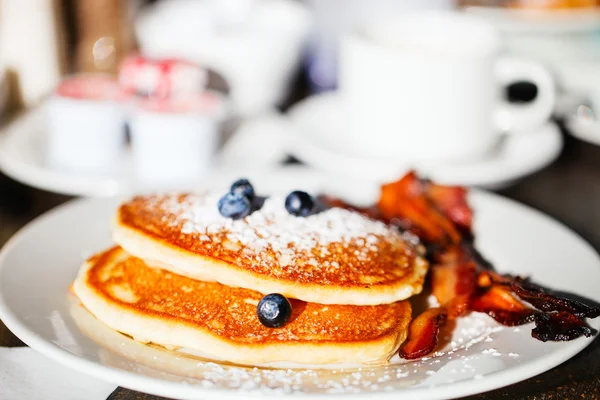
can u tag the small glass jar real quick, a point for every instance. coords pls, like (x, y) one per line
(86, 119)
(174, 141)
(161, 78)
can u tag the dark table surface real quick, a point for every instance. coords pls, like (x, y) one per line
(568, 190)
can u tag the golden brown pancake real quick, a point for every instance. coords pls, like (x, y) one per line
(154, 305)
(334, 257)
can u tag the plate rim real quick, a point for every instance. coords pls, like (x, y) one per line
(581, 130)
(161, 387)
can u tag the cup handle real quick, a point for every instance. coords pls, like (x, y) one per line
(515, 118)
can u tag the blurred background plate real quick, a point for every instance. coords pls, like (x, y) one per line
(22, 157)
(584, 129)
(514, 157)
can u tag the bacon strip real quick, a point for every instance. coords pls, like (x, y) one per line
(423, 334)
(452, 202)
(407, 200)
(560, 326)
(499, 303)
(462, 280)
(453, 277)
(541, 299)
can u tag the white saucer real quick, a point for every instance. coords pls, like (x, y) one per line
(515, 157)
(23, 158)
(481, 356)
(588, 131)
(583, 122)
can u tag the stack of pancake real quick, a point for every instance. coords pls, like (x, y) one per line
(185, 276)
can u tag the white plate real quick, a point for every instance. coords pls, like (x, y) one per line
(515, 157)
(39, 263)
(584, 129)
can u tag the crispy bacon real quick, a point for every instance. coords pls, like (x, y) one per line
(423, 334)
(560, 326)
(462, 280)
(452, 202)
(453, 277)
(443, 282)
(556, 317)
(543, 300)
(499, 303)
(435, 213)
(406, 200)
(453, 283)
(444, 219)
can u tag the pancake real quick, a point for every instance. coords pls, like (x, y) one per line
(334, 257)
(154, 305)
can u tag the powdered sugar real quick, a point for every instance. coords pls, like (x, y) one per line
(272, 226)
(335, 246)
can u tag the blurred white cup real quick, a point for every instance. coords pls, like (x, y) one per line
(335, 18)
(86, 120)
(174, 141)
(255, 45)
(429, 86)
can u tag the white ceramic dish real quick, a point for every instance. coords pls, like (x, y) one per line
(582, 129)
(518, 155)
(23, 157)
(39, 263)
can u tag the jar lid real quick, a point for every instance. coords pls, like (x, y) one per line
(207, 103)
(167, 77)
(91, 87)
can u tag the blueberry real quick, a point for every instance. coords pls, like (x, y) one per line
(258, 202)
(234, 206)
(243, 187)
(299, 203)
(274, 310)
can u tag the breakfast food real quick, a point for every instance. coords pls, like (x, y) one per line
(462, 280)
(332, 256)
(253, 280)
(154, 305)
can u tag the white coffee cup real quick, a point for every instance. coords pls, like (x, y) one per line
(429, 86)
